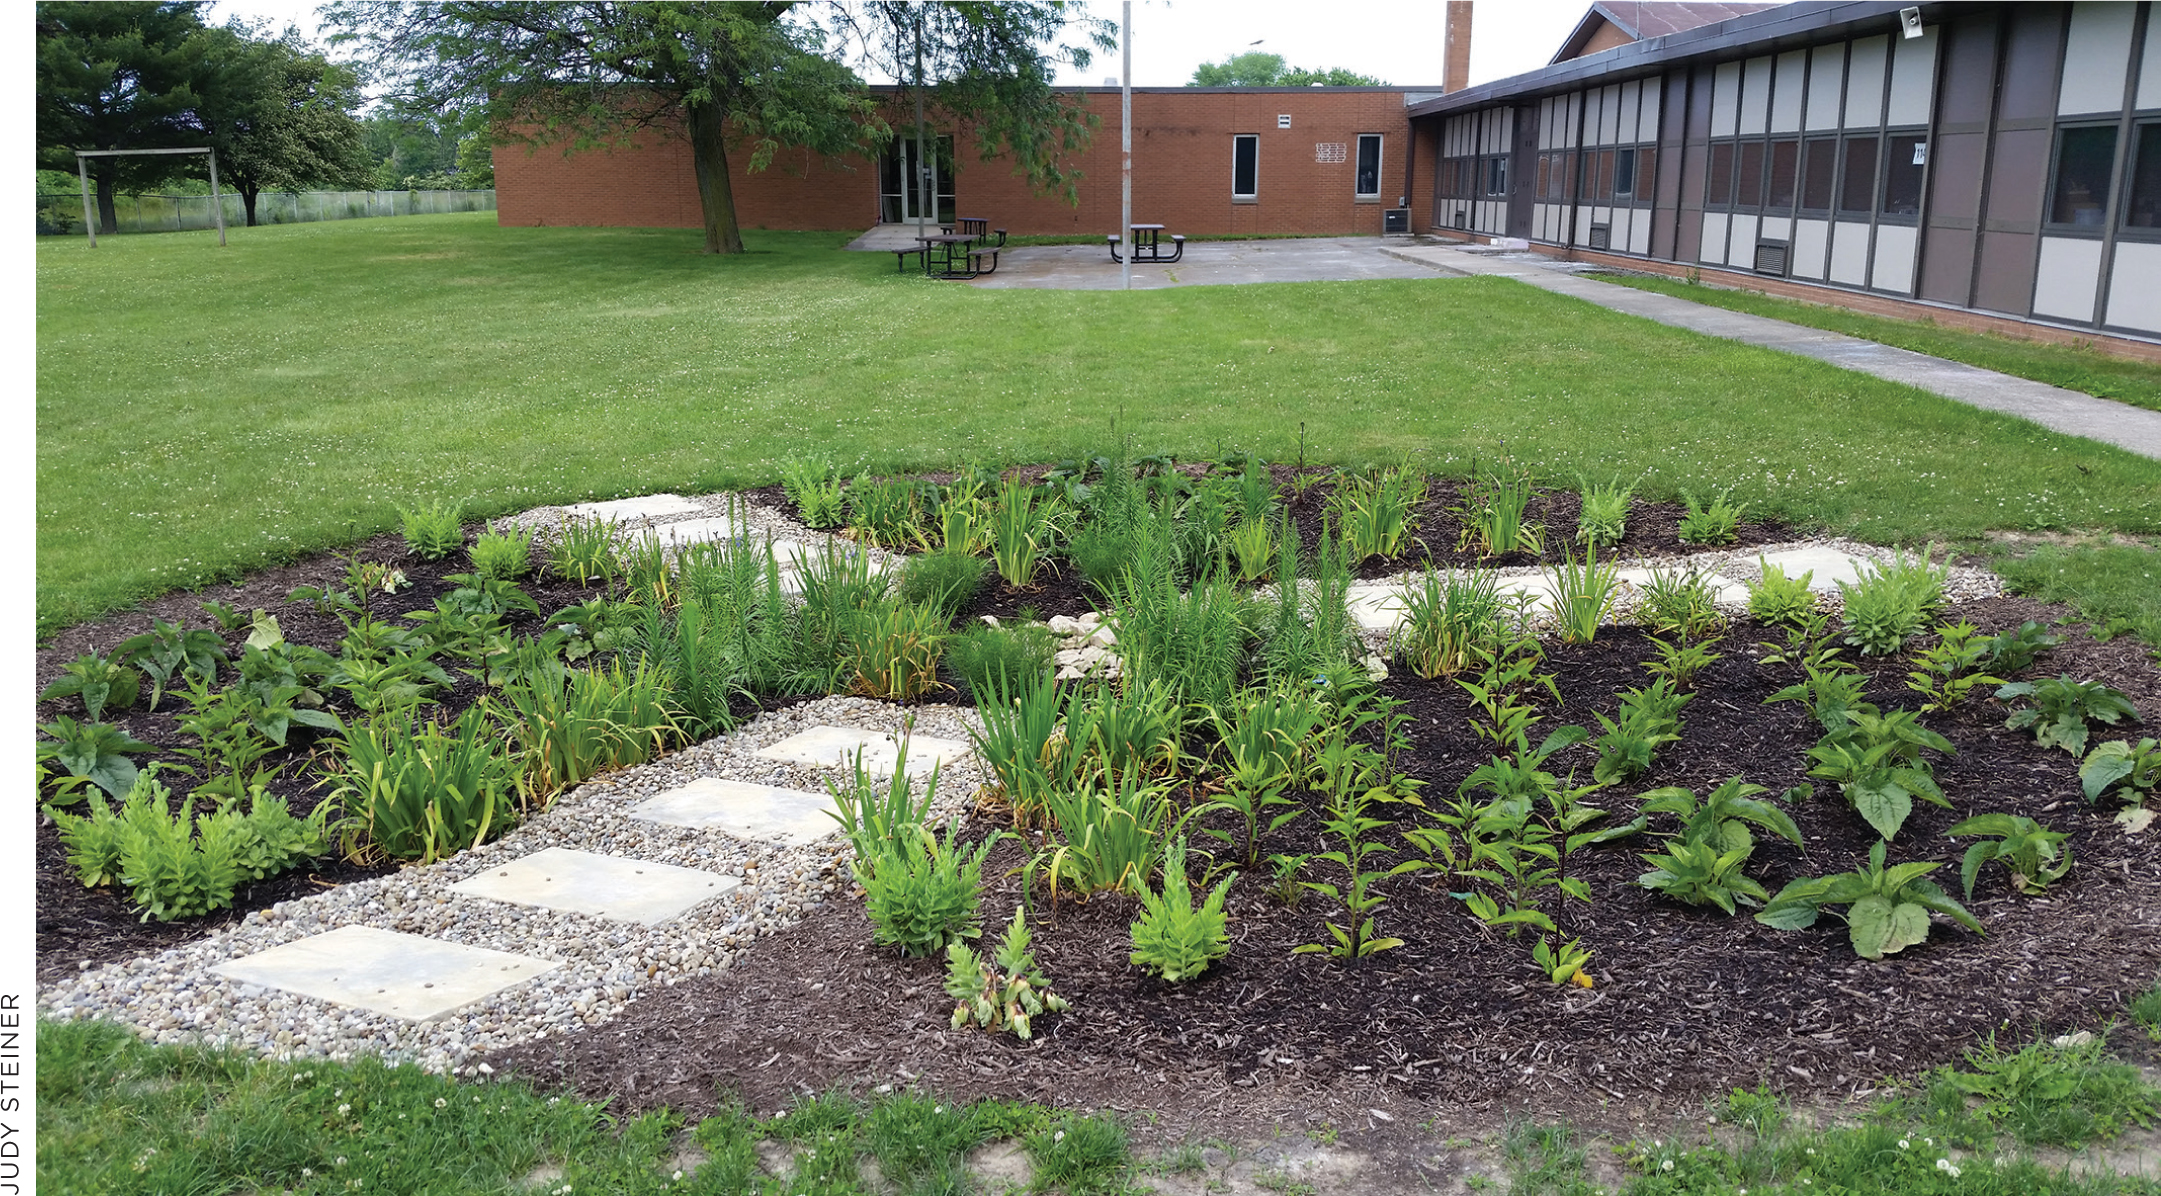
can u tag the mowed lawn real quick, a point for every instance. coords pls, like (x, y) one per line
(206, 411)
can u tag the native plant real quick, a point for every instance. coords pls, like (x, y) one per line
(1261, 740)
(178, 866)
(2062, 707)
(2137, 768)
(1679, 663)
(893, 649)
(886, 512)
(1875, 759)
(1376, 513)
(1113, 834)
(1447, 617)
(1306, 629)
(569, 724)
(101, 682)
(168, 651)
(1680, 604)
(1286, 878)
(1023, 744)
(93, 752)
(1702, 864)
(1194, 642)
(2027, 848)
(878, 825)
(922, 892)
(1649, 719)
(1005, 992)
(1003, 655)
(1355, 778)
(1583, 595)
(419, 792)
(2013, 651)
(502, 555)
(584, 551)
(374, 684)
(816, 490)
(1714, 523)
(1886, 909)
(1602, 521)
(1564, 964)
(1781, 600)
(432, 532)
(1833, 691)
(1023, 529)
(649, 571)
(1493, 510)
(1172, 939)
(1890, 603)
(944, 581)
(1946, 673)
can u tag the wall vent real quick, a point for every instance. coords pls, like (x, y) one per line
(1771, 258)
(1463, 218)
(1601, 236)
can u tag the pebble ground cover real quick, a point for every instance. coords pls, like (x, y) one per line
(1414, 831)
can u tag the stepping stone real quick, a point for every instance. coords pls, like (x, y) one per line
(1376, 608)
(399, 975)
(605, 886)
(1724, 590)
(625, 510)
(696, 531)
(1830, 565)
(762, 812)
(835, 747)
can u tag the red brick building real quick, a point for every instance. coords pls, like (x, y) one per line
(1205, 160)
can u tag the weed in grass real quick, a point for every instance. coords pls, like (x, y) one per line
(1078, 1154)
(1603, 520)
(920, 1141)
(1716, 523)
(1543, 1160)
(2145, 1010)
(2065, 1092)
(432, 532)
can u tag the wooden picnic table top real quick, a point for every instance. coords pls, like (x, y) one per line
(945, 238)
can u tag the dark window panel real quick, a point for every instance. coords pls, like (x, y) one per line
(1624, 174)
(1545, 176)
(1905, 156)
(1646, 171)
(1604, 193)
(1785, 162)
(1820, 172)
(1245, 166)
(2143, 208)
(1369, 164)
(2083, 160)
(1748, 176)
(1859, 193)
(1720, 192)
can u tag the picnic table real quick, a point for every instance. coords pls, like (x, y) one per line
(951, 255)
(973, 226)
(1148, 245)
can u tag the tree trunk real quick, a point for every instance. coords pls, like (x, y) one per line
(108, 215)
(248, 192)
(716, 192)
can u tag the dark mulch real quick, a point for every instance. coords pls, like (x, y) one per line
(1688, 1002)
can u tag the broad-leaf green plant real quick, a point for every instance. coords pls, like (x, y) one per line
(1702, 863)
(1876, 761)
(95, 752)
(2062, 707)
(2034, 854)
(1005, 992)
(1887, 909)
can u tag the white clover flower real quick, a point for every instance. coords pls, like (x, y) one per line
(440, 1103)
(1904, 1145)
(1666, 1166)
(341, 1160)
(344, 1109)
(1947, 1167)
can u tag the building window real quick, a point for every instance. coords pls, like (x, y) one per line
(1245, 166)
(1785, 164)
(2084, 158)
(1369, 166)
(1819, 173)
(2143, 209)
(1748, 176)
(1859, 193)
(1496, 176)
(1720, 193)
(1624, 174)
(1905, 157)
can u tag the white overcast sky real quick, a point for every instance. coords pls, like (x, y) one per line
(1397, 42)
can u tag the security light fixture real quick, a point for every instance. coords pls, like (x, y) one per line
(1909, 21)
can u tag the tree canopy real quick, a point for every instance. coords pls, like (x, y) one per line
(1256, 69)
(280, 116)
(737, 78)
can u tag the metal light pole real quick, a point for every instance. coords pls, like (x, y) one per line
(1125, 217)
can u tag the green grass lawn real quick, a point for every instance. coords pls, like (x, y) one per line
(2072, 367)
(205, 411)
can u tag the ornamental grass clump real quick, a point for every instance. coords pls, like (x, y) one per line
(1493, 510)
(1172, 939)
(1376, 514)
(1679, 603)
(1001, 656)
(879, 824)
(893, 650)
(945, 580)
(886, 512)
(1583, 595)
(1024, 526)
(569, 724)
(1448, 617)
(420, 793)
(584, 551)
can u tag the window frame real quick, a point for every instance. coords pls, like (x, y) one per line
(1844, 183)
(1253, 196)
(2110, 207)
(1358, 167)
(2142, 128)
(1884, 170)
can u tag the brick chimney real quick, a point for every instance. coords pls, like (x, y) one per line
(1456, 47)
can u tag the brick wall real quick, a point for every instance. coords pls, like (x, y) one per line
(1182, 144)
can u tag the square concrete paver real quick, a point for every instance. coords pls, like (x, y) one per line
(746, 811)
(1724, 590)
(650, 506)
(1829, 565)
(382, 971)
(1376, 608)
(605, 886)
(698, 531)
(835, 747)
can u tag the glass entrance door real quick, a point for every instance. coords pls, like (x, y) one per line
(900, 186)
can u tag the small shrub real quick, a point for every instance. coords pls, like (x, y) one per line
(1172, 939)
(500, 555)
(1603, 521)
(922, 893)
(1781, 600)
(1005, 992)
(945, 581)
(2062, 707)
(1717, 523)
(432, 532)
(1007, 656)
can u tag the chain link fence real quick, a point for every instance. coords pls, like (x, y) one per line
(62, 214)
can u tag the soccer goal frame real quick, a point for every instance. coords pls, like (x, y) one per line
(82, 169)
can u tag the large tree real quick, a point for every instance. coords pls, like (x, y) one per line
(280, 115)
(1256, 69)
(116, 76)
(757, 75)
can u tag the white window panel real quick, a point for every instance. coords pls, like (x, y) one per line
(1849, 253)
(1725, 98)
(1894, 258)
(1810, 238)
(2095, 56)
(1786, 91)
(1913, 78)
(2133, 299)
(2063, 286)
(1714, 239)
(1755, 95)
(1826, 82)
(1864, 82)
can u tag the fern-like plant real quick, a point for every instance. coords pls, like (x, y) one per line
(1172, 939)
(1005, 992)
(922, 895)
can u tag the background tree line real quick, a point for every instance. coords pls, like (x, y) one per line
(281, 115)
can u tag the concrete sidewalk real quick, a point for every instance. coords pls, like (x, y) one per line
(2133, 429)
(1211, 263)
